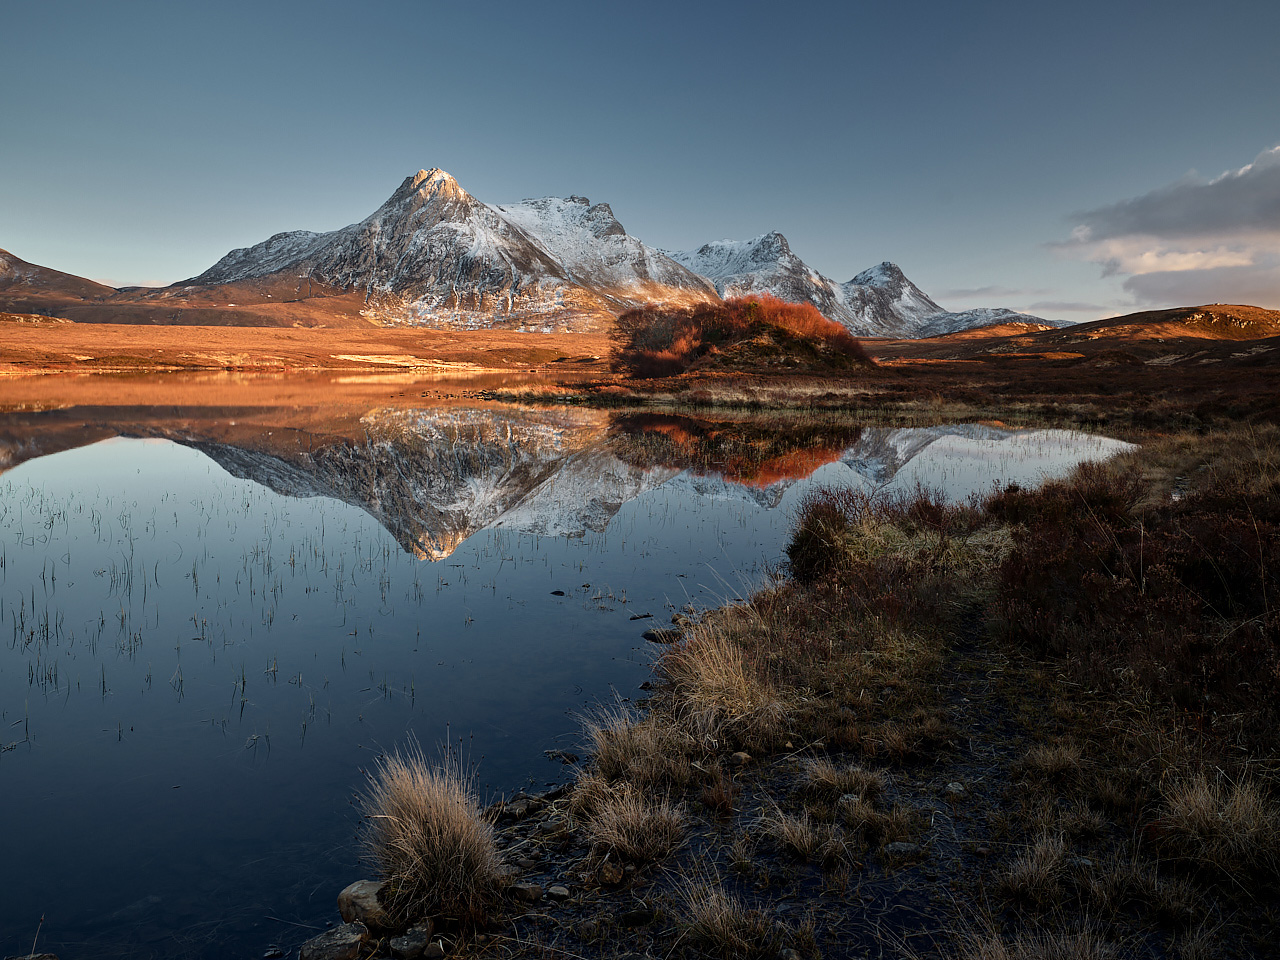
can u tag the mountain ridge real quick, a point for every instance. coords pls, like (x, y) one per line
(878, 302)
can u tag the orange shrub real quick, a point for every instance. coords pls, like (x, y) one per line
(656, 342)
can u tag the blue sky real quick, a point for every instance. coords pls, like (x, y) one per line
(1065, 159)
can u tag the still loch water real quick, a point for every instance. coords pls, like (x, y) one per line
(208, 628)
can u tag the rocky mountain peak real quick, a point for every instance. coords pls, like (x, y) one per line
(883, 274)
(429, 184)
(773, 244)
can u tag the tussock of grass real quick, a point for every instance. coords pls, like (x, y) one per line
(424, 831)
(822, 778)
(1035, 877)
(720, 925)
(638, 749)
(1036, 945)
(723, 699)
(1120, 883)
(919, 735)
(1052, 761)
(1232, 828)
(719, 791)
(634, 827)
(843, 529)
(805, 837)
(876, 826)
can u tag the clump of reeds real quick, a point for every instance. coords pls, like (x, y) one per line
(424, 831)
(721, 696)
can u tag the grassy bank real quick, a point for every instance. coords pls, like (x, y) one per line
(1039, 726)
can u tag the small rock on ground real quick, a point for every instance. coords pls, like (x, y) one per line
(413, 942)
(637, 916)
(901, 848)
(662, 635)
(359, 903)
(340, 943)
(526, 892)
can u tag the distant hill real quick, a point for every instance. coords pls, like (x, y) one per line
(1214, 321)
(1231, 334)
(22, 283)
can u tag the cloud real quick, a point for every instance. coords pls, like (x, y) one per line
(1258, 284)
(1194, 240)
(1243, 200)
(1066, 306)
(981, 293)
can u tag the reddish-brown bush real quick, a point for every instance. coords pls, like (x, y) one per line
(658, 342)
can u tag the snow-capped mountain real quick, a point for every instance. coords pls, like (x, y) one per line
(595, 251)
(879, 302)
(434, 254)
(766, 265)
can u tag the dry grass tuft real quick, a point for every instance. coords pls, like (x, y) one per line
(805, 837)
(876, 826)
(641, 750)
(723, 699)
(424, 831)
(919, 736)
(1036, 945)
(634, 827)
(827, 780)
(1229, 828)
(1120, 883)
(1052, 762)
(1035, 877)
(719, 791)
(720, 925)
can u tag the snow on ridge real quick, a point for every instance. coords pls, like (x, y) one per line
(594, 247)
(883, 274)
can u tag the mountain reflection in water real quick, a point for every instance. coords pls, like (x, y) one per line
(197, 666)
